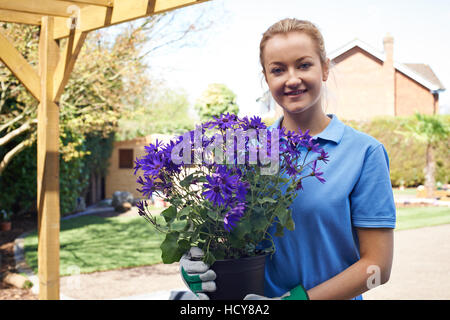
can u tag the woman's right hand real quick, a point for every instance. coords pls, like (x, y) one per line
(196, 274)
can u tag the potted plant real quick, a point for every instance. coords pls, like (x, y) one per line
(5, 220)
(227, 182)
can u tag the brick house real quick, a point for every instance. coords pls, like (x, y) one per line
(120, 176)
(365, 83)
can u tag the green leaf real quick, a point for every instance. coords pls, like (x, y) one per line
(183, 245)
(203, 213)
(202, 179)
(169, 214)
(219, 254)
(179, 225)
(186, 182)
(290, 224)
(213, 215)
(282, 214)
(266, 199)
(285, 180)
(237, 243)
(259, 222)
(242, 228)
(170, 250)
(209, 258)
(280, 230)
(184, 212)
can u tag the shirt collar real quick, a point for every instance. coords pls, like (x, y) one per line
(333, 132)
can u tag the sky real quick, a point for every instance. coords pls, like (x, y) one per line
(229, 53)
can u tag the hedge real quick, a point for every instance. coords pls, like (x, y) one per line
(406, 156)
(18, 182)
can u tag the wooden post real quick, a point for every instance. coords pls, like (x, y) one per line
(48, 167)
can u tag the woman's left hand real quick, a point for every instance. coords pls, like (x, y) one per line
(298, 293)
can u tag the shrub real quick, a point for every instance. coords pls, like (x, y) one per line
(406, 156)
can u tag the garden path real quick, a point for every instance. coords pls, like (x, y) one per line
(420, 270)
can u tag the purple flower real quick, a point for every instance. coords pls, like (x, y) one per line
(153, 148)
(227, 179)
(226, 187)
(137, 165)
(293, 137)
(220, 186)
(291, 170)
(233, 216)
(153, 162)
(310, 145)
(225, 121)
(289, 143)
(242, 190)
(214, 192)
(154, 166)
(141, 207)
(323, 156)
(254, 123)
(169, 165)
(148, 186)
(257, 123)
(316, 173)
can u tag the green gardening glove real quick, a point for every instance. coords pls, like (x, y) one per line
(298, 293)
(196, 274)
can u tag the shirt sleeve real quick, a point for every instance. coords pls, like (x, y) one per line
(372, 200)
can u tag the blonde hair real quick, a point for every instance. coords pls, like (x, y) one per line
(291, 25)
(295, 25)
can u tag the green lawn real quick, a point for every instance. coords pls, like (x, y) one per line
(410, 218)
(93, 243)
(90, 243)
(405, 192)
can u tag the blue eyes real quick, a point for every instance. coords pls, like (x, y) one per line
(305, 65)
(302, 66)
(276, 70)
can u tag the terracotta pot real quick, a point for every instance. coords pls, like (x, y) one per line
(238, 277)
(5, 225)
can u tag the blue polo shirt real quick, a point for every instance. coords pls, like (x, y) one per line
(357, 193)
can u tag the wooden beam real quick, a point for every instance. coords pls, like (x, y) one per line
(20, 17)
(104, 3)
(48, 168)
(95, 17)
(63, 62)
(20, 67)
(87, 20)
(67, 62)
(44, 7)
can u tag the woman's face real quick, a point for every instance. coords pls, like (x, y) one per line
(293, 71)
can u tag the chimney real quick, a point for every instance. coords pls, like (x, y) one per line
(388, 43)
(389, 74)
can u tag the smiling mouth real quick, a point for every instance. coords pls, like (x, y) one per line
(296, 92)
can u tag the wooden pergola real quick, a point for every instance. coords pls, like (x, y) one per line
(58, 19)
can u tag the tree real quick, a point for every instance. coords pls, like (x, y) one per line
(17, 106)
(90, 108)
(215, 100)
(161, 110)
(430, 130)
(109, 73)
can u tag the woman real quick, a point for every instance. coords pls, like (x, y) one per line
(343, 243)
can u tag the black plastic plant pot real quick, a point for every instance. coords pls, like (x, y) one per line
(238, 277)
